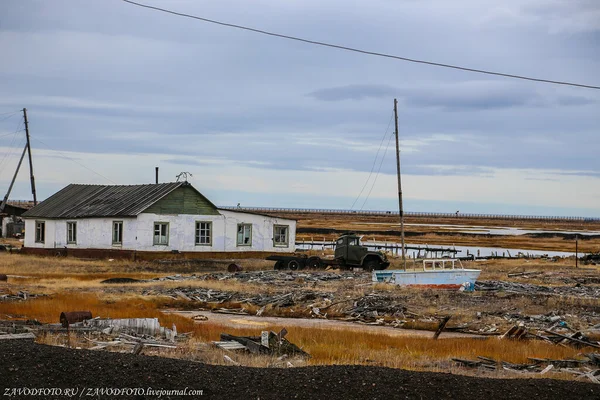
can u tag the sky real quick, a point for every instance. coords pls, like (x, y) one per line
(113, 90)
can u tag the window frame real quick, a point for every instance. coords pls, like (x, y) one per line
(40, 235)
(237, 243)
(198, 229)
(71, 233)
(154, 241)
(117, 243)
(287, 236)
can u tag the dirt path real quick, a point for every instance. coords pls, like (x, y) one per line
(27, 365)
(250, 321)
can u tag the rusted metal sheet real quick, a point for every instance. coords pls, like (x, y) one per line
(70, 317)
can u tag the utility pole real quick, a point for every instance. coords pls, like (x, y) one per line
(399, 186)
(576, 251)
(13, 180)
(30, 160)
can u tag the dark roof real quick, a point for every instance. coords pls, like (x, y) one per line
(81, 201)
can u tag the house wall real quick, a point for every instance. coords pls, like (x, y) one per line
(262, 231)
(138, 233)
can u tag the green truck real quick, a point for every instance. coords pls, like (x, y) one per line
(349, 253)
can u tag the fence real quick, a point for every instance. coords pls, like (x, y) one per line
(415, 214)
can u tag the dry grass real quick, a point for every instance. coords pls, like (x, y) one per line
(18, 264)
(74, 285)
(327, 346)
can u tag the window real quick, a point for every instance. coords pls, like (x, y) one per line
(71, 232)
(40, 231)
(244, 235)
(161, 233)
(203, 233)
(280, 235)
(117, 232)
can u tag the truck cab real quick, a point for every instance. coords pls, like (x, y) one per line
(350, 253)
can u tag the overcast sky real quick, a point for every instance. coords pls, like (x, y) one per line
(113, 90)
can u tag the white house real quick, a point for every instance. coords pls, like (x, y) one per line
(166, 217)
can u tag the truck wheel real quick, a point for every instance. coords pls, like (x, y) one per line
(293, 265)
(278, 265)
(371, 264)
(314, 262)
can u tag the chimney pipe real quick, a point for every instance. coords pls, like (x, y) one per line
(157, 175)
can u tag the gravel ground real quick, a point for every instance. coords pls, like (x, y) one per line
(24, 364)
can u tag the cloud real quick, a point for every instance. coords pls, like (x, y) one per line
(353, 92)
(262, 113)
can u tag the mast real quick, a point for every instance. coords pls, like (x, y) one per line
(401, 210)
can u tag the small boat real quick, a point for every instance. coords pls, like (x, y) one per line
(436, 274)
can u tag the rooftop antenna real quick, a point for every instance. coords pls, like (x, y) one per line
(183, 176)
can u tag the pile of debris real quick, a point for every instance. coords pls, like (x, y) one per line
(212, 296)
(593, 258)
(276, 278)
(527, 288)
(20, 295)
(280, 278)
(588, 368)
(268, 343)
(373, 306)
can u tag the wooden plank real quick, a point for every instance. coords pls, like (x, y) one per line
(18, 336)
(573, 339)
(253, 346)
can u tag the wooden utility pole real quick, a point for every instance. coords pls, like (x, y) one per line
(3, 204)
(399, 186)
(576, 251)
(30, 160)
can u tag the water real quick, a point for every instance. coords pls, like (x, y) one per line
(478, 251)
(495, 230)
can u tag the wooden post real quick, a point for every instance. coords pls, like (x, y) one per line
(441, 327)
(576, 251)
(13, 180)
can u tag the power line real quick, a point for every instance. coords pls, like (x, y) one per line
(9, 154)
(9, 116)
(10, 146)
(378, 170)
(374, 162)
(372, 53)
(76, 162)
(11, 112)
(11, 133)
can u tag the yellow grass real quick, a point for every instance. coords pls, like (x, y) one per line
(327, 346)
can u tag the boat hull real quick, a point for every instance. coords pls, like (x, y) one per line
(437, 279)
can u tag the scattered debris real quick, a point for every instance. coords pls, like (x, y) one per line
(527, 288)
(20, 295)
(136, 326)
(538, 365)
(122, 280)
(20, 336)
(270, 343)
